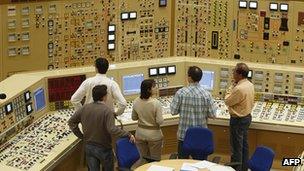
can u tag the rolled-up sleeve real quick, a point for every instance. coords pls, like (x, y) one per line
(79, 95)
(121, 101)
(175, 104)
(234, 97)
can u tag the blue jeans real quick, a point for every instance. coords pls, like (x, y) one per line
(97, 155)
(239, 141)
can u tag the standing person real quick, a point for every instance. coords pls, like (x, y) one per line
(240, 101)
(149, 113)
(193, 104)
(85, 89)
(98, 125)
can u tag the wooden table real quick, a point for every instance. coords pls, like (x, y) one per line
(175, 163)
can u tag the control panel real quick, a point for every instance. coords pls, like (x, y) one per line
(34, 147)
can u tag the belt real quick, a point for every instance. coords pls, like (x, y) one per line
(149, 127)
(236, 116)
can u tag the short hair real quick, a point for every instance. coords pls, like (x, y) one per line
(195, 73)
(145, 86)
(99, 92)
(102, 65)
(242, 69)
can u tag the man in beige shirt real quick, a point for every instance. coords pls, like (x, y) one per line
(240, 101)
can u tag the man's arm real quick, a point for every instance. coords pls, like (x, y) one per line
(112, 128)
(121, 101)
(233, 97)
(159, 113)
(134, 115)
(74, 121)
(78, 96)
(175, 104)
(211, 108)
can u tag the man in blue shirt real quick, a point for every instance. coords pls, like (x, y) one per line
(193, 104)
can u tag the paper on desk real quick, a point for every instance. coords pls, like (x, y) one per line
(160, 168)
(203, 164)
(188, 167)
(220, 167)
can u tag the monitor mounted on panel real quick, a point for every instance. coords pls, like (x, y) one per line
(39, 98)
(131, 84)
(207, 80)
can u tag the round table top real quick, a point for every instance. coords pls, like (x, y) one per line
(177, 164)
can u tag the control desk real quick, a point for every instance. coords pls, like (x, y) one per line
(33, 129)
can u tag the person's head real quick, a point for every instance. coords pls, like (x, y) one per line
(147, 88)
(99, 93)
(101, 65)
(194, 74)
(240, 72)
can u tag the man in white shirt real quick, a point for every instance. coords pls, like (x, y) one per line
(85, 89)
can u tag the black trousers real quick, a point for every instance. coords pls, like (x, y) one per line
(239, 141)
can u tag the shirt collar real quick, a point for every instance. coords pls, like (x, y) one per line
(241, 81)
(194, 84)
(101, 75)
(100, 102)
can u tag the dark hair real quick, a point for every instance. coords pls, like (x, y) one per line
(99, 92)
(145, 86)
(102, 65)
(195, 73)
(242, 69)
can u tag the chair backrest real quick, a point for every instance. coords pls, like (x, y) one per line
(198, 143)
(126, 152)
(262, 159)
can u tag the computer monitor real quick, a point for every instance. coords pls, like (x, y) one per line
(207, 80)
(39, 98)
(131, 83)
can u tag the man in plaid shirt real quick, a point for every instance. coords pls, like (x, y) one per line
(194, 105)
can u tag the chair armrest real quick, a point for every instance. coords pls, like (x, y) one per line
(233, 164)
(173, 156)
(216, 159)
(150, 159)
(123, 169)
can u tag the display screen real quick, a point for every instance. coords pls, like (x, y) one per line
(133, 15)
(62, 88)
(111, 46)
(162, 70)
(152, 72)
(27, 96)
(243, 4)
(250, 74)
(253, 4)
(283, 7)
(8, 108)
(111, 37)
(111, 28)
(171, 69)
(273, 6)
(162, 3)
(207, 80)
(29, 108)
(39, 97)
(131, 83)
(124, 16)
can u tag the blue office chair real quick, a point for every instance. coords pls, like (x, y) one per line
(198, 143)
(261, 160)
(126, 153)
